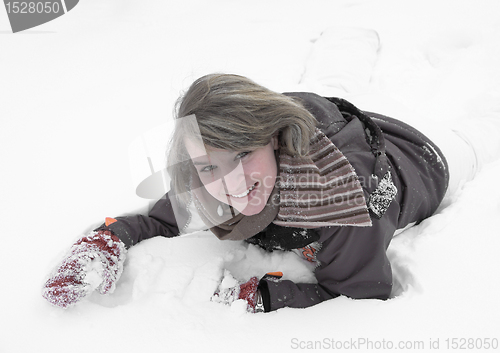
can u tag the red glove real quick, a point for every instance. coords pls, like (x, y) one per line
(248, 292)
(231, 290)
(93, 262)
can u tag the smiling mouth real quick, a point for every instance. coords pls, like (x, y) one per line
(244, 193)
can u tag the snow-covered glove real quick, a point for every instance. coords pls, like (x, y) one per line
(95, 261)
(231, 290)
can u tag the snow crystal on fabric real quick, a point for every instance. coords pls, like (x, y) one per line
(381, 198)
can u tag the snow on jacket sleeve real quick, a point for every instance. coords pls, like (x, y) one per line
(160, 221)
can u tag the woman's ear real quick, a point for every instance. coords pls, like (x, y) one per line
(274, 141)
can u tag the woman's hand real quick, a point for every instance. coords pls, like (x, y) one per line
(230, 290)
(95, 261)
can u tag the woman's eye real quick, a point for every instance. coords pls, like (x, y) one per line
(208, 168)
(241, 155)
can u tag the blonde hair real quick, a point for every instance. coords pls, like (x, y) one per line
(234, 113)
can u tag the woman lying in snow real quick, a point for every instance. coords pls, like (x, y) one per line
(294, 172)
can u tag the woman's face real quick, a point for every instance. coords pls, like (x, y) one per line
(243, 179)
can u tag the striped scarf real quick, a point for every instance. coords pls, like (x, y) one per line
(321, 189)
(318, 190)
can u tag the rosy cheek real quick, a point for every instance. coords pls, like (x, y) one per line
(254, 171)
(215, 188)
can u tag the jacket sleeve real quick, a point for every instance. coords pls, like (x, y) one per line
(166, 219)
(353, 263)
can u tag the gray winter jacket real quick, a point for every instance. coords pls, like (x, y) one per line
(351, 261)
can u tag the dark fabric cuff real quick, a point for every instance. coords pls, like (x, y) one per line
(119, 229)
(266, 296)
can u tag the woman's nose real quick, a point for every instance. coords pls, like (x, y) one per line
(235, 180)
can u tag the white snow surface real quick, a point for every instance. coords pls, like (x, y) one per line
(77, 92)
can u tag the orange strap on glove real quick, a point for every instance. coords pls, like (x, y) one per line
(95, 261)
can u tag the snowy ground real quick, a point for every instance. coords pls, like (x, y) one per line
(77, 92)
